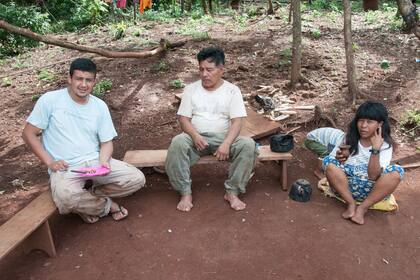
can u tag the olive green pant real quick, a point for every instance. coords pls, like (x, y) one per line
(182, 154)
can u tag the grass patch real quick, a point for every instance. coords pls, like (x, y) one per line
(101, 88)
(46, 75)
(176, 84)
(410, 124)
(160, 66)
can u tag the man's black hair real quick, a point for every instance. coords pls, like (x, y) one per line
(214, 54)
(82, 64)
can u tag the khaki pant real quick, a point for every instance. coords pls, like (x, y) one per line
(182, 154)
(69, 195)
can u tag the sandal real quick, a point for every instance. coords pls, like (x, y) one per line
(119, 214)
(88, 218)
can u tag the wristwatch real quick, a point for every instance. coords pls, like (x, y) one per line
(374, 151)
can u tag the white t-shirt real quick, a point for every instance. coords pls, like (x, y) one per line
(359, 163)
(70, 131)
(211, 111)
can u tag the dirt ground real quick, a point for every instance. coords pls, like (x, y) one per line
(275, 237)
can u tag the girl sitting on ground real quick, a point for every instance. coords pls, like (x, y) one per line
(362, 171)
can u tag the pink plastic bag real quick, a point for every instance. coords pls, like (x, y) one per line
(92, 171)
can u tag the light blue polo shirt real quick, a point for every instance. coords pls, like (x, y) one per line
(70, 131)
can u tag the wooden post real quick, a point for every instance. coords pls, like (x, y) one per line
(41, 239)
(283, 164)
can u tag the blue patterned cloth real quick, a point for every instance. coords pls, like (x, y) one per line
(359, 186)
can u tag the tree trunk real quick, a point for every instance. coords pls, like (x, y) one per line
(289, 19)
(370, 5)
(204, 6)
(270, 10)
(188, 5)
(234, 4)
(348, 45)
(297, 41)
(164, 45)
(410, 16)
(182, 6)
(211, 6)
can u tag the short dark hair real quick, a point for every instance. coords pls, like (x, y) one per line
(82, 64)
(216, 55)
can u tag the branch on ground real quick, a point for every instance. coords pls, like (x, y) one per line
(163, 46)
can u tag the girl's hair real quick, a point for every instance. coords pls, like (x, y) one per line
(370, 110)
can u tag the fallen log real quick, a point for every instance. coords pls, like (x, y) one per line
(163, 46)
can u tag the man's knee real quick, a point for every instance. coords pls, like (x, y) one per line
(138, 179)
(66, 200)
(247, 144)
(180, 142)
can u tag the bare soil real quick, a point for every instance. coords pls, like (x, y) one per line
(275, 237)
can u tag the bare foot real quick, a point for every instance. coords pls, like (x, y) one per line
(235, 202)
(89, 219)
(319, 174)
(185, 203)
(359, 216)
(351, 208)
(118, 212)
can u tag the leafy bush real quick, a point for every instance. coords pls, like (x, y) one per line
(29, 17)
(160, 66)
(46, 75)
(175, 84)
(410, 124)
(316, 33)
(101, 87)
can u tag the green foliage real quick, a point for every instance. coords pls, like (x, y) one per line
(371, 17)
(323, 5)
(385, 64)
(117, 30)
(196, 27)
(6, 82)
(200, 36)
(46, 75)
(410, 124)
(160, 66)
(35, 97)
(176, 84)
(29, 17)
(72, 14)
(355, 47)
(285, 57)
(316, 33)
(101, 87)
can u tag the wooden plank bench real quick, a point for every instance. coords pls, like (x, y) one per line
(151, 158)
(30, 228)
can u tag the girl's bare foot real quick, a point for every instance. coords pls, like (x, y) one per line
(359, 216)
(351, 209)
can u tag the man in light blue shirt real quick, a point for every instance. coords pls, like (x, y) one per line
(77, 132)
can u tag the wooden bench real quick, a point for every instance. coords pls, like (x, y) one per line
(151, 158)
(30, 228)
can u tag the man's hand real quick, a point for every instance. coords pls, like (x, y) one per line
(342, 155)
(200, 142)
(58, 165)
(105, 164)
(376, 140)
(222, 152)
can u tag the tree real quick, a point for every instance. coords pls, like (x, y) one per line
(409, 14)
(297, 41)
(348, 45)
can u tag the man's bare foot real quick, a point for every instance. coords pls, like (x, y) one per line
(359, 216)
(185, 203)
(235, 202)
(351, 208)
(319, 174)
(88, 218)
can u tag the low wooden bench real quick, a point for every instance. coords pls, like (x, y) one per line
(152, 158)
(30, 228)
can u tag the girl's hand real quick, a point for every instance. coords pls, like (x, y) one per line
(376, 139)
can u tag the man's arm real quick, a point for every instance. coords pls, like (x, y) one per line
(105, 153)
(30, 136)
(199, 142)
(222, 152)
